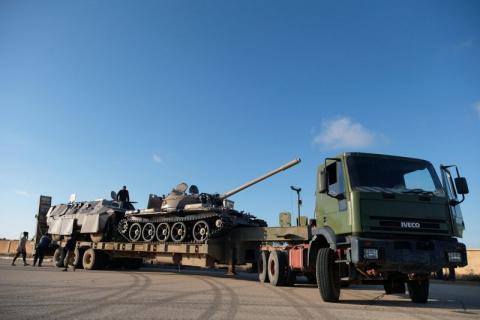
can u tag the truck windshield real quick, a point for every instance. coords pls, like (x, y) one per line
(377, 174)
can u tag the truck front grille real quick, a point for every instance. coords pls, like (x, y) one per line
(399, 224)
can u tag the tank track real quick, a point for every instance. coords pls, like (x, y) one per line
(215, 232)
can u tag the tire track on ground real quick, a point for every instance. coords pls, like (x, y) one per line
(234, 299)
(108, 299)
(301, 310)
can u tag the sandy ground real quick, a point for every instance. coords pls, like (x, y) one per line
(161, 293)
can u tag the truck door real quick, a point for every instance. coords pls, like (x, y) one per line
(333, 211)
(454, 202)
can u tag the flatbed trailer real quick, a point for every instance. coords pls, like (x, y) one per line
(239, 247)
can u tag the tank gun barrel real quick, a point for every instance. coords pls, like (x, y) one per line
(261, 178)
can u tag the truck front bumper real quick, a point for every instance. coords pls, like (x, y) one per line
(407, 255)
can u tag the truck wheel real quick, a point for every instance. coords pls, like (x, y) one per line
(394, 286)
(77, 259)
(328, 279)
(277, 268)
(58, 257)
(262, 267)
(91, 259)
(418, 290)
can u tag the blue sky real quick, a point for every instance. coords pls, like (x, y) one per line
(97, 94)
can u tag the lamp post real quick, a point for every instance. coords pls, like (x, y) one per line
(299, 202)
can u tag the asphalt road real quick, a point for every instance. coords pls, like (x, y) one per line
(152, 293)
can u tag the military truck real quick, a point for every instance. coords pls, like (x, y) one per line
(378, 219)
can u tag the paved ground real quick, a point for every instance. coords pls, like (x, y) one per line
(152, 293)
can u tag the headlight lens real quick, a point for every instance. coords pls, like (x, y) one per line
(454, 257)
(370, 254)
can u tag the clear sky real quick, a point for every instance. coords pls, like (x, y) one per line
(97, 94)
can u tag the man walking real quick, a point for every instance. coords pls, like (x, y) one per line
(40, 250)
(21, 249)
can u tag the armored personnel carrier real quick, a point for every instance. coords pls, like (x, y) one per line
(193, 216)
(91, 219)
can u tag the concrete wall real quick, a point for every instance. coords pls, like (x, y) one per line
(9, 247)
(473, 267)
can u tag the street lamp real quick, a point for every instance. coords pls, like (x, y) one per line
(299, 202)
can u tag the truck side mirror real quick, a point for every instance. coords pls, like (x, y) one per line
(461, 185)
(322, 182)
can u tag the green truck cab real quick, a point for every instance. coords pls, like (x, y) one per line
(389, 218)
(379, 219)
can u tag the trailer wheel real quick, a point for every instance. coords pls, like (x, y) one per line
(262, 266)
(328, 279)
(277, 268)
(418, 290)
(91, 259)
(77, 259)
(58, 257)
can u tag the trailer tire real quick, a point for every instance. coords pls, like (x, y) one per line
(277, 268)
(418, 290)
(92, 259)
(328, 279)
(78, 258)
(58, 257)
(262, 266)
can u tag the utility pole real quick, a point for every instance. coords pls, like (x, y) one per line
(299, 202)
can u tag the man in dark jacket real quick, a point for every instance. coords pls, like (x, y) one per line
(40, 250)
(123, 197)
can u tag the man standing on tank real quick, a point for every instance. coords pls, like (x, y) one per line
(123, 197)
(21, 249)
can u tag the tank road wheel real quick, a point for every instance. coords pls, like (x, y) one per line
(277, 268)
(328, 278)
(97, 237)
(262, 266)
(201, 231)
(148, 232)
(179, 231)
(135, 232)
(418, 290)
(163, 232)
(123, 227)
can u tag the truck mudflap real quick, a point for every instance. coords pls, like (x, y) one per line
(407, 255)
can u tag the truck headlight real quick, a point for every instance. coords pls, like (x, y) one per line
(454, 257)
(370, 254)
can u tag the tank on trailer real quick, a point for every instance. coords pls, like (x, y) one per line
(182, 217)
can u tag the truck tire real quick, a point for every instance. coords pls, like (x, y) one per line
(328, 279)
(277, 268)
(262, 266)
(78, 258)
(392, 286)
(91, 259)
(58, 257)
(418, 290)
